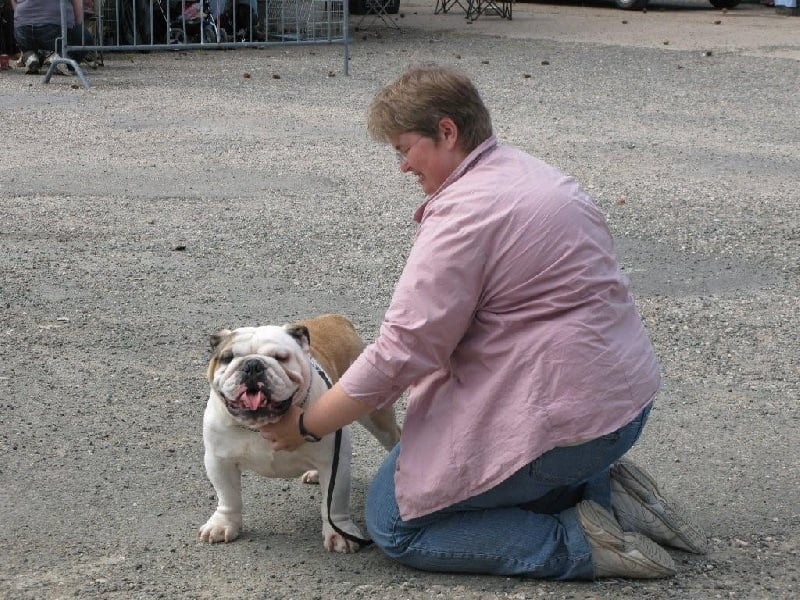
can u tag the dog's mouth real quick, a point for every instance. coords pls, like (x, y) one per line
(254, 402)
(251, 398)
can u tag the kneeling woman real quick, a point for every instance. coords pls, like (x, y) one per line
(529, 371)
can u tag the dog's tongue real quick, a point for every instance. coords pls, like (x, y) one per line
(252, 399)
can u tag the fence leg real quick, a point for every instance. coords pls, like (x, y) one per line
(71, 63)
(65, 6)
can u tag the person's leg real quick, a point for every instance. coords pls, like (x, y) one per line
(25, 36)
(46, 36)
(22, 36)
(598, 488)
(502, 540)
(561, 478)
(78, 35)
(492, 533)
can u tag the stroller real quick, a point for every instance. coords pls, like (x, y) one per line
(241, 20)
(195, 22)
(216, 20)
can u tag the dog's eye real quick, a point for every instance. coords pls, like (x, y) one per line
(225, 357)
(282, 356)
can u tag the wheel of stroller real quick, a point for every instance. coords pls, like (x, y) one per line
(176, 36)
(210, 34)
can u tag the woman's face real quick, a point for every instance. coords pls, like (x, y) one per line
(430, 160)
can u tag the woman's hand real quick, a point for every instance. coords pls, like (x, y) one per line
(332, 411)
(285, 433)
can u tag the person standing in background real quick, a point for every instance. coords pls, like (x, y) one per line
(7, 44)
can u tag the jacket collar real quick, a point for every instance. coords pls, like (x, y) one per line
(483, 149)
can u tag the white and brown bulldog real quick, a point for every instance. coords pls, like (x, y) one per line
(256, 374)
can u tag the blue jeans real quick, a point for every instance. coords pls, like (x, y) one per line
(525, 526)
(42, 39)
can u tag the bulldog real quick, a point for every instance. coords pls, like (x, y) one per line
(255, 375)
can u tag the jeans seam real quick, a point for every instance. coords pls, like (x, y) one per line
(395, 537)
(526, 565)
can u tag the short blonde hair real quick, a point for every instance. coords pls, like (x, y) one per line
(424, 95)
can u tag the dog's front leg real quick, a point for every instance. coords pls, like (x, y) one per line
(340, 502)
(225, 523)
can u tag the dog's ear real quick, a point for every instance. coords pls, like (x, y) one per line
(218, 341)
(217, 338)
(301, 336)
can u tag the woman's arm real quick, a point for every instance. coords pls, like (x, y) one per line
(332, 411)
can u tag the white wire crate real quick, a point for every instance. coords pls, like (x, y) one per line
(305, 20)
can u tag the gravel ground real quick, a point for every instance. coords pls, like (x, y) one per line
(184, 192)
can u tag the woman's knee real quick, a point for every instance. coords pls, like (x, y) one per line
(382, 517)
(390, 539)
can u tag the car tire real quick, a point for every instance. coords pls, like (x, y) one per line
(724, 3)
(629, 4)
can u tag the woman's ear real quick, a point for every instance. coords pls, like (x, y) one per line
(448, 132)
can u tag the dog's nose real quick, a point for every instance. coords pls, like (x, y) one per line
(253, 368)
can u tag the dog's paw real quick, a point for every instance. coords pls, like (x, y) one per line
(336, 542)
(310, 477)
(220, 528)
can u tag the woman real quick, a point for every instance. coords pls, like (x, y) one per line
(529, 371)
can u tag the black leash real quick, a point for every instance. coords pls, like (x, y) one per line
(349, 536)
(337, 446)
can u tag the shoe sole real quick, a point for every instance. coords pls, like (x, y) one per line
(599, 524)
(651, 560)
(655, 562)
(641, 485)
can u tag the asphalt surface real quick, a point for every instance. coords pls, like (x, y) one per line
(184, 192)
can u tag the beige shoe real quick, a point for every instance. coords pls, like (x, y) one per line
(639, 506)
(619, 554)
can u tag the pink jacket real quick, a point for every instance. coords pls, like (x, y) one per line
(511, 326)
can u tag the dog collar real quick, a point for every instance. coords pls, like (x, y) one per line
(310, 437)
(307, 435)
(320, 371)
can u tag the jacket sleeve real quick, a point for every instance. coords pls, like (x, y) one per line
(434, 302)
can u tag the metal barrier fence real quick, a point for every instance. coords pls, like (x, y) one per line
(135, 25)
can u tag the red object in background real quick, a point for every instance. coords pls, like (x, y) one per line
(4, 62)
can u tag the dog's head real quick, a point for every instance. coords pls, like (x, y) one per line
(259, 372)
